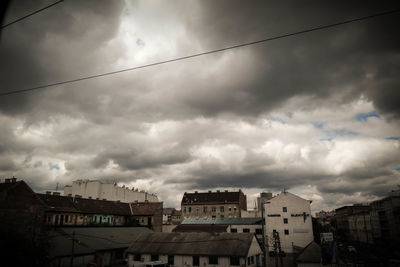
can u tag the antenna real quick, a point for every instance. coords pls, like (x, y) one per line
(57, 187)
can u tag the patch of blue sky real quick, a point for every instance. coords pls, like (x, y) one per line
(317, 124)
(330, 135)
(392, 138)
(365, 116)
(55, 167)
(328, 139)
(277, 119)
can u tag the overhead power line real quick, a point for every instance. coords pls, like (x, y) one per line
(30, 14)
(203, 53)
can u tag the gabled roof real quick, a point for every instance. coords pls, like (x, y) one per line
(96, 206)
(59, 203)
(287, 194)
(222, 221)
(310, 254)
(211, 197)
(221, 244)
(91, 239)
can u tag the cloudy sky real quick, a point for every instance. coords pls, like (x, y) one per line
(317, 114)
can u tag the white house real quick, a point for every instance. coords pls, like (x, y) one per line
(290, 216)
(195, 249)
(107, 191)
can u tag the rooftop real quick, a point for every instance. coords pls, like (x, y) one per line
(222, 221)
(221, 244)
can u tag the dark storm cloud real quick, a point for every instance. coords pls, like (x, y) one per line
(43, 48)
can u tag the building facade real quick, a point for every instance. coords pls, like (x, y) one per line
(342, 216)
(213, 204)
(195, 249)
(385, 219)
(290, 217)
(107, 191)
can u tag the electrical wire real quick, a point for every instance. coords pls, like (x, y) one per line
(202, 53)
(30, 14)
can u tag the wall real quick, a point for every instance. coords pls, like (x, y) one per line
(97, 189)
(197, 211)
(299, 227)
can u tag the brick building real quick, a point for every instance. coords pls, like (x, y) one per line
(213, 204)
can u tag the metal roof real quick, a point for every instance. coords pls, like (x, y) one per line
(223, 221)
(218, 244)
(90, 239)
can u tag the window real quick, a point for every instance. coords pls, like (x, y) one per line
(246, 230)
(284, 209)
(248, 260)
(213, 209)
(196, 260)
(285, 220)
(212, 259)
(66, 218)
(234, 260)
(252, 259)
(154, 257)
(190, 209)
(286, 231)
(233, 230)
(230, 208)
(213, 216)
(49, 218)
(137, 257)
(184, 210)
(258, 231)
(234, 209)
(221, 209)
(170, 259)
(205, 209)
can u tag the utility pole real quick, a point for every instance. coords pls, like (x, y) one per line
(263, 237)
(72, 249)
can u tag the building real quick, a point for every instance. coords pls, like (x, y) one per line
(195, 249)
(385, 219)
(290, 217)
(107, 191)
(342, 216)
(176, 217)
(213, 204)
(167, 215)
(90, 246)
(76, 211)
(360, 227)
(231, 225)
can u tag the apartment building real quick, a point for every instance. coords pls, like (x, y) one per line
(219, 204)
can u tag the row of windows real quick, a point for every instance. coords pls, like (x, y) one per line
(286, 231)
(213, 209)
(247, 230)
(234, 260)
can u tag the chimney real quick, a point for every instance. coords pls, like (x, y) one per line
(48, 192)
(13, 180)
(209, 191)
(7, 180)
(195, 192)
(217, 191)
(56, 193)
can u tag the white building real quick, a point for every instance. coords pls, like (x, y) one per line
(290, 216)
(195, 249)
(107, 191)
